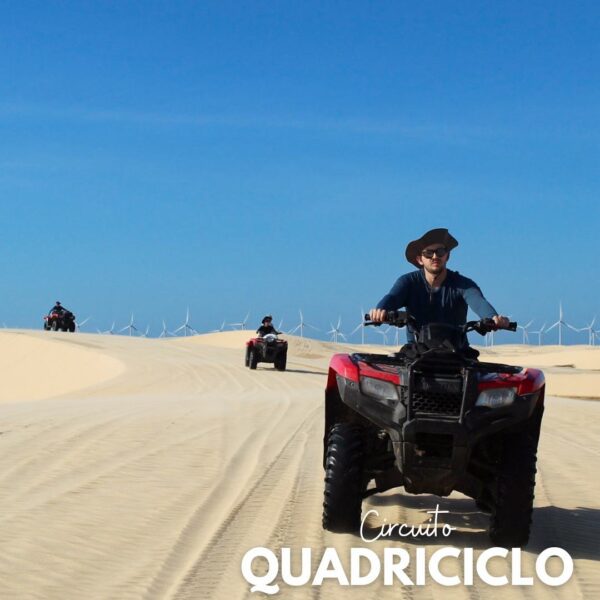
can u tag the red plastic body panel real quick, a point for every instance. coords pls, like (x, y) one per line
(341, 364)
(252, 341)
(368, 371)
(526, 382)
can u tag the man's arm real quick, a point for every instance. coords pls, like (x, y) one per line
(476, 301)
(396, 298)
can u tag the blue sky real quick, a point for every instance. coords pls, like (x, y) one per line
(266, 157)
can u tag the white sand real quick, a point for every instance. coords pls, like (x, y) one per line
(139, 468)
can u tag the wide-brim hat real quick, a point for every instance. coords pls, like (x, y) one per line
(433, 236)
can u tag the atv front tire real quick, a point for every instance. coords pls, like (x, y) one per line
(280, 362)
(54, 326)
(246, 358)
(344, 481)
(252, 359)
(510, 521)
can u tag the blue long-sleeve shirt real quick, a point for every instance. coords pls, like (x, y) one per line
(447, 304)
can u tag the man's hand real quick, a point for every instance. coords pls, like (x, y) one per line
(378, 315)
(501, 322)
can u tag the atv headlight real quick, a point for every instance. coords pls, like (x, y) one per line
(496, 397)
(382, 390)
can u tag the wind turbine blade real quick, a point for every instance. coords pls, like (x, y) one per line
(356, 329)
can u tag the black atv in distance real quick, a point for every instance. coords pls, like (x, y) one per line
(433, 419)
(269, 349)
(56, 321)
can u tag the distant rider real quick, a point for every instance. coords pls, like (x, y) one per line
(433, 293)
(267, 327)
(58, 308)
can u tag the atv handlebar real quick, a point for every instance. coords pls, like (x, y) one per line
(398, 318)
(484, 326)
(401, 318)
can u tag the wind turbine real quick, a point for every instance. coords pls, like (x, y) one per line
(560, 323)
(592, 333)
(302, 325)
(145, 334)
(360, 326)
(525, 331)
(220, 328)
(165, 332)
(384, 333)
(241, 325)
(79, 325)
(186, 326)
(335, 331)
(540, 332)
(109, 331)
(131, 327)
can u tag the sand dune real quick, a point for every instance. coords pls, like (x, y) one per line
(152, 467)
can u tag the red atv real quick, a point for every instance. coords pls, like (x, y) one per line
(269, 349)
(55, 321)
(433, 419)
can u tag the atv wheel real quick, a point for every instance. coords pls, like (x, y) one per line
(246, 359)
(252, 359)
(510, 520)
(344, 483)
(280, 362)
(72, 327)
(54, 326)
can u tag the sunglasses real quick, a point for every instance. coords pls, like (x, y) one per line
(439, 252)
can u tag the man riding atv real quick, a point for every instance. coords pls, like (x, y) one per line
(266, 347)
(58, 308)
(267, 327)
(59, 318)
(432, 418)
(435, 294)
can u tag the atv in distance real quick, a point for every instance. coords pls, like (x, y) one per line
(55, 321)
(268, 349)
(433, 419)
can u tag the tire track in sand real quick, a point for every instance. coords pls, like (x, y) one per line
(249, 523)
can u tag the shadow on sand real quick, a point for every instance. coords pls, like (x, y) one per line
(575, 530)
(288, 370)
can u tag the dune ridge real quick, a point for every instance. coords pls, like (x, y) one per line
(158, 463)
